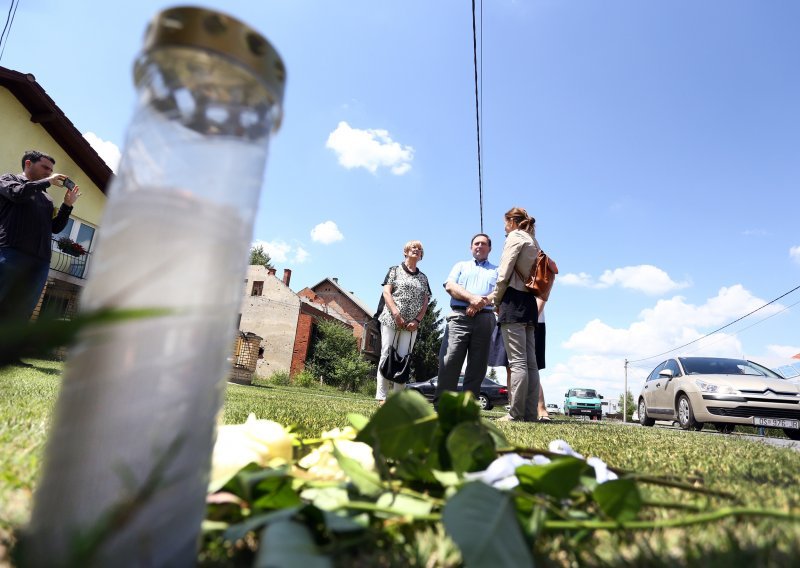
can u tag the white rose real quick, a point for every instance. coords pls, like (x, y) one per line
(322, 464)
(258, 441)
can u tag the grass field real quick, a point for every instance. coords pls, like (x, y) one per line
(758, 475)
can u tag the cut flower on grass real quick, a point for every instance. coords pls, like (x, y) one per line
(262, 442)
(354, 495)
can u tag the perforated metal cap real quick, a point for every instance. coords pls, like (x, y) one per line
(201, 28)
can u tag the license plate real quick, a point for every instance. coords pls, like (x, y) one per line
(777, 422)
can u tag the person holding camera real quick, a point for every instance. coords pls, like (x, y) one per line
(28, 218)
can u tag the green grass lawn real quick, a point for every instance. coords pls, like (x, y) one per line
(757, 474)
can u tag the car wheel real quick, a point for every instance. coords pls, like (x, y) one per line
(791, 433)
(484, 402)
(643, 418)
(725, 428)
(686, 414)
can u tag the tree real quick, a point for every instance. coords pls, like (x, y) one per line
(260, 257)
(630, 403)
(336, 359)
(425, 357)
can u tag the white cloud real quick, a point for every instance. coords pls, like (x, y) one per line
(107, 150)
(300, 255)
(581, 279)
(369, 149)
(794, 253)
(281, 252)
(326, 233)
(643, 278)
(600, 349)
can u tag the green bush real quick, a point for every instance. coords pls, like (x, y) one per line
(280, 379)
(336, 359)
(305, 379)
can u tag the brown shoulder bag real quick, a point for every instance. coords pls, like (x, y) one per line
(542, 276)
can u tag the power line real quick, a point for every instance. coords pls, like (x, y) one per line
(759, 322)
(477, 103)
(7, 28)
(717, 330)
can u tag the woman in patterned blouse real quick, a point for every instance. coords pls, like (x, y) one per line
(406, 293)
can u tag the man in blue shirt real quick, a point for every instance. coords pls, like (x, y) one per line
(471, 322)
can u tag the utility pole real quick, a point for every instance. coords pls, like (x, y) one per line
(625, 395)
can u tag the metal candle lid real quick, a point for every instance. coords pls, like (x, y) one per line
(200, 28)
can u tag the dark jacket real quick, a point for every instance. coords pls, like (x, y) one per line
(27, 216)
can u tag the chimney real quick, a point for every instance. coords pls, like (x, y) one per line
(287, 276)
(336, 280)
(271, 271)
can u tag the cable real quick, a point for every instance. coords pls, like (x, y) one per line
(717, 330)
(759, 322)
(477, 109)
(9, 23)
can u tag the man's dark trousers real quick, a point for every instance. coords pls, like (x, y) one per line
(466, 337)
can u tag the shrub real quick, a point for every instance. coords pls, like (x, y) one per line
(280, 378)
(336, 359)
(305, 379)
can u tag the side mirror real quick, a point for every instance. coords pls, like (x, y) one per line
(666, 373)
(600, 397)
(566, 395)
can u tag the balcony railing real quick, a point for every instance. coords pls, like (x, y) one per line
(65, 261)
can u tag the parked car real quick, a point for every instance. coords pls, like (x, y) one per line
(553, 408)
(720, 391)
(583, 402)
(491, 394)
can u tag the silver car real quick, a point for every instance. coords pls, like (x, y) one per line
(723, 392)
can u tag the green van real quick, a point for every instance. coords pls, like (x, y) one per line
(583, 402)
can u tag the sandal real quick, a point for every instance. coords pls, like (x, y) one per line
(544, 419)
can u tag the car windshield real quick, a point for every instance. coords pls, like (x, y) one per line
(718, 366)
(584, 393)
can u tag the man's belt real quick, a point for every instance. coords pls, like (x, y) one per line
(464, 309)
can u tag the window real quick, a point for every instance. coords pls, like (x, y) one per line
(654, 375)
(79, 232)
(83, 234)
(672, 365)
(258, 288)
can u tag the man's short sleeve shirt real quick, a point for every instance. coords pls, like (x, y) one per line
(475, 277)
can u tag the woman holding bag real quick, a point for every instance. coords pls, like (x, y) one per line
(518, 314)
(406, 294)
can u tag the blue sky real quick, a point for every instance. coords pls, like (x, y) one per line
(656, 143)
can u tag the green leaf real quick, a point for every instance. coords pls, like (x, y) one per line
(456, 408)
(619, 499)
(483, 523)
(255, 522)
(326, 498)
(367, 482)
(275, 493)
(358, 421)
(245, 483)
(339, 523)
(446, 478)
(470, 447)
(557, 478)
(289, 543)
(403, 425)
(405, 505)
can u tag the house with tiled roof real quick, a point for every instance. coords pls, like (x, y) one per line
(31, 120)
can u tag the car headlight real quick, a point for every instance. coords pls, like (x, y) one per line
(713, 388)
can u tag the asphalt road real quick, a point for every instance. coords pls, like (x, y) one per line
(777, 442)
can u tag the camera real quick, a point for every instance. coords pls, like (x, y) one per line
(68, 183)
